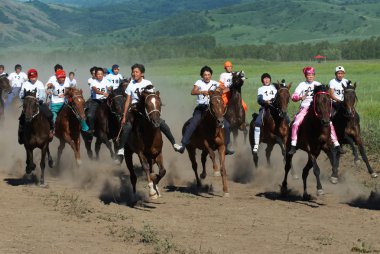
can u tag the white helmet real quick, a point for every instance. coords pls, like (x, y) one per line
(339, 68)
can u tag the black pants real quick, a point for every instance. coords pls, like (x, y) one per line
(91, 112)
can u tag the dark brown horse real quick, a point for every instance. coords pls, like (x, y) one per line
(209, 136)
(68, 126)
(35, 134)
(4, 87)
(107, 122)
(275, 127)
(347, 127)
(313, 136)
(235, 114)
(146, 140)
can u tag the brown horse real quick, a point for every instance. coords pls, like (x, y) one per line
(4, 87)
(275, 127)
(146, 140)
(235, 114)
(67, 126)
(107, 122)
(209, 136)
(35, 134)
(313, 136)
(347, 127)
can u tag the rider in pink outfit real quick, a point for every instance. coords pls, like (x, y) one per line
(304, 93)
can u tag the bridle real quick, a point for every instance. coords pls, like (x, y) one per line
(209, 108)
(36, 100)
(276, 103)
(73, 107)
(154, 109)
(112, 102)
(315, 105)
(351, 112)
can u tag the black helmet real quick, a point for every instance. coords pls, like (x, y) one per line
(18, 66)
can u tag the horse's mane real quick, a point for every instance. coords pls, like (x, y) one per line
(119, 91)
(71, 91)
(31, 93)
(321, 88)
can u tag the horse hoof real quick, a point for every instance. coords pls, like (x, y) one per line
(358, 163)
(217, 173)
(295, 176)
(306, 197)
(320, 192)
(203, 176)
(154, 196)
(226, 195)
(43, 185)
(374, 175)
(334, 180)
(79, 162)
(51, 164)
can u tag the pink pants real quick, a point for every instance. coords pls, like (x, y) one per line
(298, 119)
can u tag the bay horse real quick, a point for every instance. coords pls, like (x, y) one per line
(68, 123)
(107, 122)
(313, 137)
(275, 127)
(347, 127)
(146, 140)
(209, 136)
(235, 114)
(4, 87)
(35, 134)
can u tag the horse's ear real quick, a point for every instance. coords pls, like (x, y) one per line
(81, 91)
(355, 84)
(277, 85)
(289, 85)
(158, 93)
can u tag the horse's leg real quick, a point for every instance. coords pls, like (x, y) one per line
(281, 144)
(42, 163)
(235, 134)
(268, 152)
(30, 166)
(98, 144)
(145, 164)
(222, 157)
(161, 171)
(245, 132)
(60, 149)
(132, 174)
(288, 166)
(204, 159)
(77, 146)
(87, 144)
(191, 152)
(50, 158)
(317, 172)
(305, 173)
(334, 158)
(350, 141)
(359, 141)
(103, 137)
(73, 145)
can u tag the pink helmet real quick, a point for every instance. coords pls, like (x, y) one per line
(308, 70)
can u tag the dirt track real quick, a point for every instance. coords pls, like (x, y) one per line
(71, 215)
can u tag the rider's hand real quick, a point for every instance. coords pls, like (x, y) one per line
(303, 97)
(123, 120)
(105, 94)
(205, 93)
(268, 102)
(61, 96)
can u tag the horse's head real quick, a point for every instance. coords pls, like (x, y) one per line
(152, 105)
(322, 104)
(4, 83)
(76, 101)
(237, 80)
(116, 101)
(217, 107)
(30, 105)
(282, 98)
(350, 98)
(124, 83)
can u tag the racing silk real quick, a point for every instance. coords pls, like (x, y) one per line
(133, 87)
(102, 86)
(338, 85)
(3, 74)
(53, 79)
(73, 83)
(226, 79)
(59, 89)
(114, 79)
(266, 93)
(305, 88)
(17, 79)
(89, 81)
(38, 86)
(203, 86)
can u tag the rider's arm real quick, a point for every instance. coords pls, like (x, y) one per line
(196, 91)
(297, 95)
(97, 91)
(331, 92)
(126, 107)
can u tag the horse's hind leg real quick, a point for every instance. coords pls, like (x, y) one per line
(364, 157)
(268, 152)
(108, 144)
(132, 174)
(317, 172)
(305, 173)
(98, 144)
(288, 165)
(191, 152)
(60, 150)
(204, 159)
(351, 142)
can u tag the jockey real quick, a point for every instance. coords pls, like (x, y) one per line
(225, 81)
(54, 77)
(16, 78)
(138, 83)
(115, 77)
(92, 71)
(336, 90)
(35, 85)
(200, 89)
(99, 93)
(72, 80)
(304, 93)
(265, 97)
(2, 72)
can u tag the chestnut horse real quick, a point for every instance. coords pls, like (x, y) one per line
(347, 127)
(68, 126)
(209, 136)
(107, 122)
(35, 134)
(4, 87)
(313, 136)
(275, 127)
(235, 114)
(146, 140)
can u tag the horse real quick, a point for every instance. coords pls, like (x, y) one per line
(68, 123)
(146, 140)
(347, 127)
(35, 134)
(275, 127)
(107, 122)
(235, 114)
(313, 137)
(4, 86)
(209, 136)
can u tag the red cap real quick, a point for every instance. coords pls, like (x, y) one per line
(60, 74)
(308, 70)
(32, 73)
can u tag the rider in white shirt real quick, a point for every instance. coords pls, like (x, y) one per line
(2, 71)
(16, 78)
(115, 77)
(131, 105)
(72, 80)
(336, 90)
